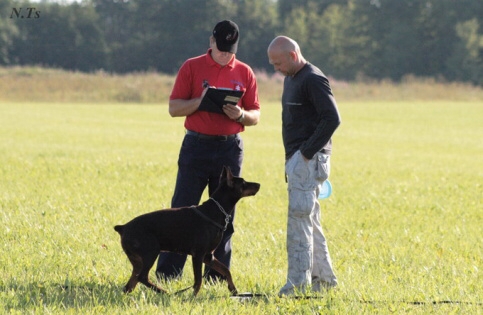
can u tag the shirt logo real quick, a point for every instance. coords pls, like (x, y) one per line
(237, 84)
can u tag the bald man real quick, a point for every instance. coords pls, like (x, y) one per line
(309, 119)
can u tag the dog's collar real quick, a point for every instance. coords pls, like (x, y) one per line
(227, 216)
(198, 212)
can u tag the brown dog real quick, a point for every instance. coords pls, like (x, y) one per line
(195, 230)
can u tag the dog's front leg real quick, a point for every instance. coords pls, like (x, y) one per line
(197, 266)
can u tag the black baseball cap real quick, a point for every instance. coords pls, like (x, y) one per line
(226, 36)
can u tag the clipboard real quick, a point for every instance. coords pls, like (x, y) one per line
(214, 99)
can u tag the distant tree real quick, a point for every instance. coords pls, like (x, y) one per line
(158, 35)
(183, 28)
(397, 47)
(8, 30)
(285, 7)
(346, 38)
(414, 37)
(466, 61)
(90, 46)
(64, 36)
(335, 39)
(115, 19)
(257, 21)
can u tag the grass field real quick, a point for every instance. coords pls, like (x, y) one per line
(403, 223)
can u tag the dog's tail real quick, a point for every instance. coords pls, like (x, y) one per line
(119, 229)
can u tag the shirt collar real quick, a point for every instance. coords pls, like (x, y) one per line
(212, 62)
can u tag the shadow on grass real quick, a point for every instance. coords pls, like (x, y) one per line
(82, 295)
(90, 295)
(20, 296)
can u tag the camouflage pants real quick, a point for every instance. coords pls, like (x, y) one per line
(308, 254)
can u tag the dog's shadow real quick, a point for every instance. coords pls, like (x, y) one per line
(70, 295)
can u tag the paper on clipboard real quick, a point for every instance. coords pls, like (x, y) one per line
(214, 99)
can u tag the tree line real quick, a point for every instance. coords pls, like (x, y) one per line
(347, 39)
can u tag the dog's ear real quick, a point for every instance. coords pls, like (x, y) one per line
(228, 175)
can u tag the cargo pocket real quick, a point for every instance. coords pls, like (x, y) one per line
(299, 172)
(304, 257)
(300, 202)
(322, 166)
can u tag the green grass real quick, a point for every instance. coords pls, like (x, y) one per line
(403, 223)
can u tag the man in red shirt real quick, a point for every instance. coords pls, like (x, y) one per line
(212, 139)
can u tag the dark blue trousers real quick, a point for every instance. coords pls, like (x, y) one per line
(199, 165)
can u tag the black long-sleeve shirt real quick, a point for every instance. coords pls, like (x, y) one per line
(309, 113)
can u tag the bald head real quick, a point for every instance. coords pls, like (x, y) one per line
(283, 44)
(285, 56)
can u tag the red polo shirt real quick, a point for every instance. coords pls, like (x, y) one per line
(235, 75)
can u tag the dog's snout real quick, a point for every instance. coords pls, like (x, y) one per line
(251, 189)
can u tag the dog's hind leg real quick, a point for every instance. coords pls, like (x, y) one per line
(216, 265)
(143, 276)
(137, 265)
